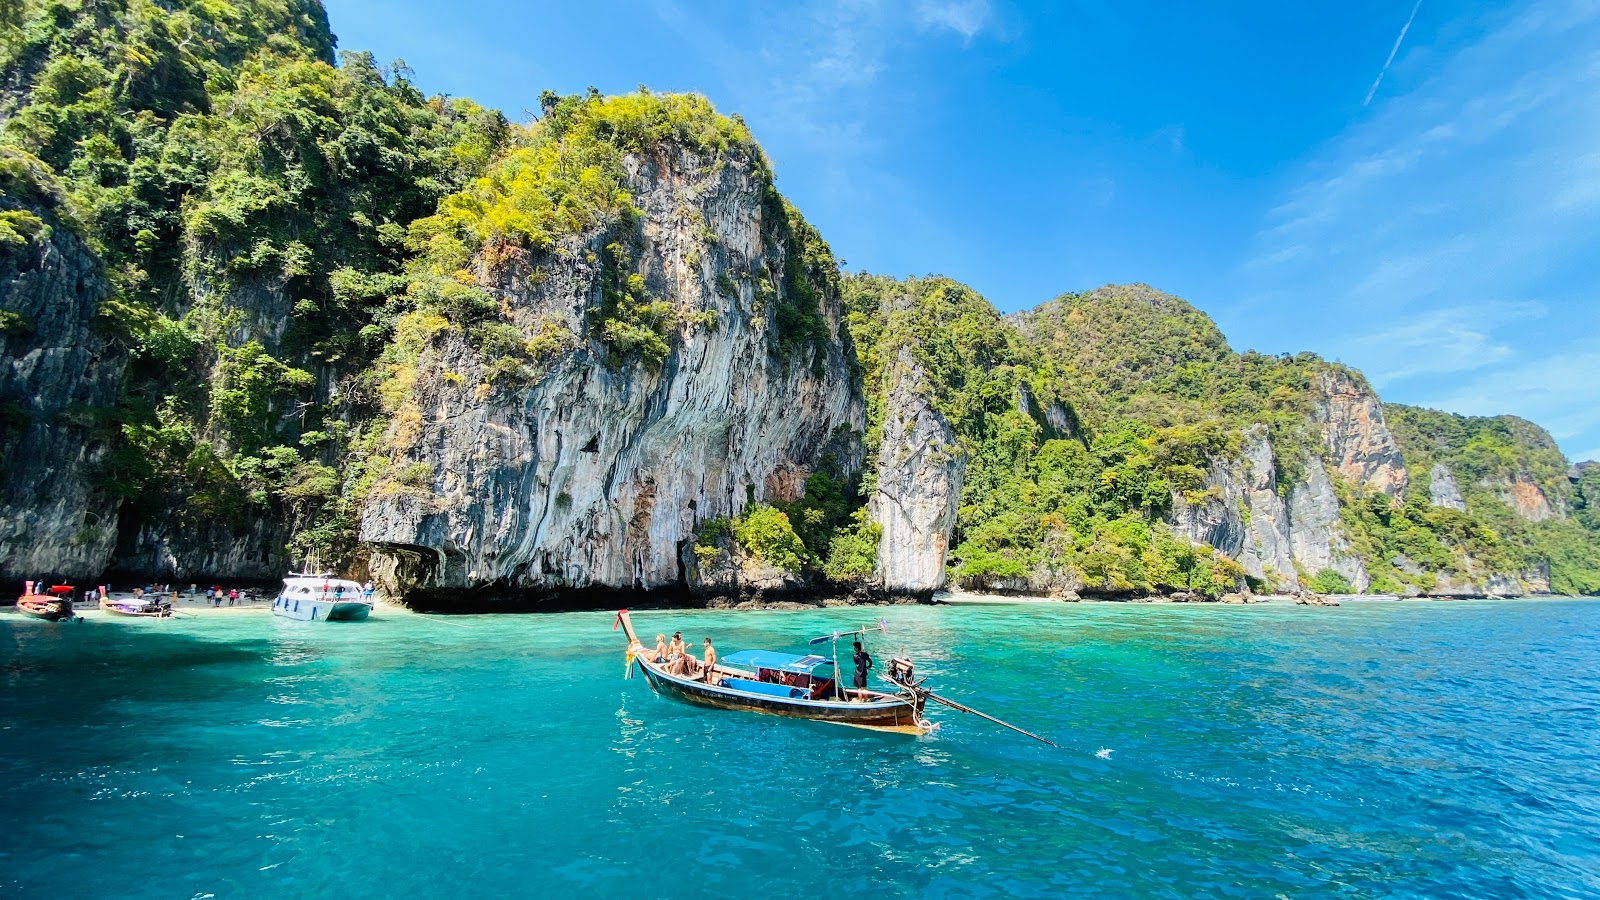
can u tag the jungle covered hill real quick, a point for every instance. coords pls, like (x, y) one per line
(267, 304)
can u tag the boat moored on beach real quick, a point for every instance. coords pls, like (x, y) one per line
(147, 607)
(53, 605)
(321, 598)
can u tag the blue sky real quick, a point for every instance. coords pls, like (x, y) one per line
(1437, 227)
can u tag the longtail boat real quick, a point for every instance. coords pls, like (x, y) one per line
(54, 605)
(781, 684)
(135, 606)
(799, 687)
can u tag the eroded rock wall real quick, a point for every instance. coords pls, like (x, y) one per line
(1359, 445)
(1243, 516)
(920, 469)
(1443, 489)
(598, 474)
(57, 375)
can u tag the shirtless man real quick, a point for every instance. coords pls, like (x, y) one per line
(710, 663)
(661, 648)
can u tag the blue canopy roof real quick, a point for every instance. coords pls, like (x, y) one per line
(771, 659)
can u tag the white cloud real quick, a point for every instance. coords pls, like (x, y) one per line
(1559, 391)
(1466, 183)
(964, 17)
(1443, 341)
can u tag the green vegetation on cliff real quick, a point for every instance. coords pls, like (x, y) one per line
(1042, 495)
(1521, 500)
(248, 199)
(289, 238)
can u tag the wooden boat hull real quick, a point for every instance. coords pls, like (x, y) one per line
(900, 713)
(48, 609)
(896, 714)
(126, 608)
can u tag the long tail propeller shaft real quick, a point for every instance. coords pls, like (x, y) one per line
(967, 709)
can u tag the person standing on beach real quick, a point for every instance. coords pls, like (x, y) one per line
(863, 661)
(366, 591)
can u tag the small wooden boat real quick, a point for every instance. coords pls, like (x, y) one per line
(135, 606)
(54, 605)
(781, 684)
(801, 687)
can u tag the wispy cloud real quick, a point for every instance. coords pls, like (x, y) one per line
(1400, 39)
(964, 17)
(1559, 391)
(1435, 228)
(1443, 341)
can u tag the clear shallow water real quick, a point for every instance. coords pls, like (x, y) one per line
(1394, 750)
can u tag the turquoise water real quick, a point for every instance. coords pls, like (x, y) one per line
(1394, 750)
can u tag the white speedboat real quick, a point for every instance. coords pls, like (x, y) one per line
(321, 598)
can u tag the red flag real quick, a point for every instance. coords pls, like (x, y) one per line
(618, 622)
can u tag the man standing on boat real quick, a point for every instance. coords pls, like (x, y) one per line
(863, 661)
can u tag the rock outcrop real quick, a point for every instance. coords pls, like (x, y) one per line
(1443, 490)
(1317, 540)
(1525, 497)
(1359, 444)
(57, 375)
(598, 475)
(920, 468)
(1244, 516)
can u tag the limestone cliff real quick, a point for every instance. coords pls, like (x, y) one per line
(1243, 516)
(919, 473)
(1443, 490)
(1359, 444)
(1273, 538)
(58, 377)
(596, 475)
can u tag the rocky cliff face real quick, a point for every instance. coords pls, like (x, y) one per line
(1244, 516)
(1525, 497)
(920, 468)
(1248, 519)
(57, 374)
(1443, 490)
(1359, 444)
(1317, 538)
(597, 475)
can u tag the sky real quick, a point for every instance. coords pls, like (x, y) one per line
(1408, 187)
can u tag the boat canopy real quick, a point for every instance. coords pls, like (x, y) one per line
(782, 662)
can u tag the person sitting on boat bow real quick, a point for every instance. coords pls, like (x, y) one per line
(660, 653)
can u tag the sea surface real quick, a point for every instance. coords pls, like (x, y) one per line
(1374, 750)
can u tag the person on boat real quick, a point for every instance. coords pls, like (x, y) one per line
(863, 661)
(709, 663)
(677, 647)
(661, 649)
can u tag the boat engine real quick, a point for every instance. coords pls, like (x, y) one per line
(901, 671)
